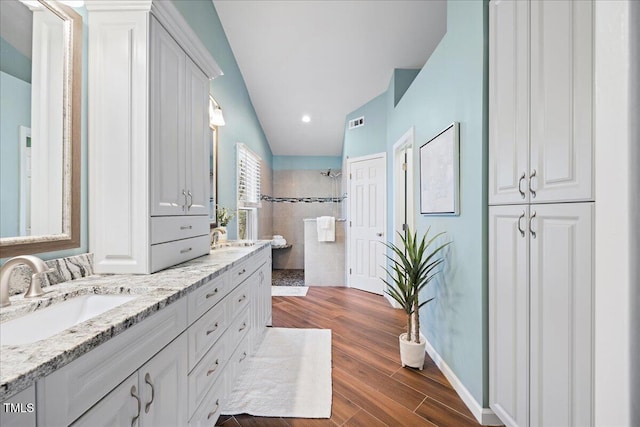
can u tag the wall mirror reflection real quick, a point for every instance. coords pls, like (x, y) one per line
(40, 80)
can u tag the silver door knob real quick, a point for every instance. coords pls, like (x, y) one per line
(379, 234)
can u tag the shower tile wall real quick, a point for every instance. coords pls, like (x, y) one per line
(265, 213)
(288, 217)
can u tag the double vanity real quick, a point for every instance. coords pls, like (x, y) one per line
(159, 349)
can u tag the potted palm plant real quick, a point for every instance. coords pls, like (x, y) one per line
(413, 265)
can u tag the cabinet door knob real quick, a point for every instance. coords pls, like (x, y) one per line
(531, 190)
(184, 194)
(190, 199)
(133, 393)
(533, 233)
(522, 178)
(147, 379)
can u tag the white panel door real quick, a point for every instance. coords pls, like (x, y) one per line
(368, 225)
(561, 314)
(168, 190)
(508, 101)
(561, 160)
(118, 408)
(199, 140)
(509, 313)
(163, 385)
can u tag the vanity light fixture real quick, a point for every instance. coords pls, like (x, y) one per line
(306, 118)
(215, 113)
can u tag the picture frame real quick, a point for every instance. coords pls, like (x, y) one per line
(440, 173)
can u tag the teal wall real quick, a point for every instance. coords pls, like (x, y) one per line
(15, 111)
(84, 225)
(402, 79)
(370, 138)
(452, 86)
(14, 62)
(307, 162)
(231, 93)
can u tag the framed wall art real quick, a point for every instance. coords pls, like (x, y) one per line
(440, 173)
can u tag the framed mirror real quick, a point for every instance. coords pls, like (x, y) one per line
(40, 124)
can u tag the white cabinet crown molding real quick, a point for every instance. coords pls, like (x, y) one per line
(175, 24)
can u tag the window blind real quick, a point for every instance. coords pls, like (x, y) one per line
(248, 178)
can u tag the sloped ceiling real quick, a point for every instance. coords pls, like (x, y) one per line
(324, 59)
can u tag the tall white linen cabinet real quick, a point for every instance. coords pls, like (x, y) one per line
(149, 137)
(541, 207)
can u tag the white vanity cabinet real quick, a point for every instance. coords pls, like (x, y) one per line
(174, 368)
(149, 137)
(156, 395)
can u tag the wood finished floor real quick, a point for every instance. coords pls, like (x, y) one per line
(370, 388)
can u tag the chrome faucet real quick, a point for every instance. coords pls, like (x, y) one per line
(37, 266)
(215, 235)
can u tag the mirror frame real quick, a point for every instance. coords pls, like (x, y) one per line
(71, 138)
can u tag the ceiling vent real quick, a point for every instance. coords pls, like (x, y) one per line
(356, 123)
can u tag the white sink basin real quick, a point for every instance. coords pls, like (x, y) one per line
(49, 321)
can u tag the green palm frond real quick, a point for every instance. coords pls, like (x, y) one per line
(412, 265)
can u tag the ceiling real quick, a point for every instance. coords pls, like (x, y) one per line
(324, 59)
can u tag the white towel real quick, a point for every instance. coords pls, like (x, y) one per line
(326, 228)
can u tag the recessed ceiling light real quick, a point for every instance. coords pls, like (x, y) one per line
(306, 118)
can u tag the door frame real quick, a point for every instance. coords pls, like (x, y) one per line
(406, 141)
(349, 162)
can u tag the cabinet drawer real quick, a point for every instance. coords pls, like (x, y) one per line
(206, 296)
(204, 333)
(236, 363)
(209, 410)
(238, 330)
(169, 228)
(206, 372)
(242, 271)
(168, 254)
(237, 301)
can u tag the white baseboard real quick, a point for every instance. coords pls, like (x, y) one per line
(485, 416)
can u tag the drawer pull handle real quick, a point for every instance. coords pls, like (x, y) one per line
(242, 298)
(244, 356)
(184, 251)
(186, 227)
(209, 295)
(240, 273)
(243, 327)
(212, 413)
(147, 379)
(133, 393)
(211, 371)
(213, 330)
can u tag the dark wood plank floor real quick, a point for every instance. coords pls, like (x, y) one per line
(370, 388)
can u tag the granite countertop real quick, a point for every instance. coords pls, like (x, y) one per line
(22, 365)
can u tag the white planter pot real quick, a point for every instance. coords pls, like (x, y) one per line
(223, 236)
(412, 354)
